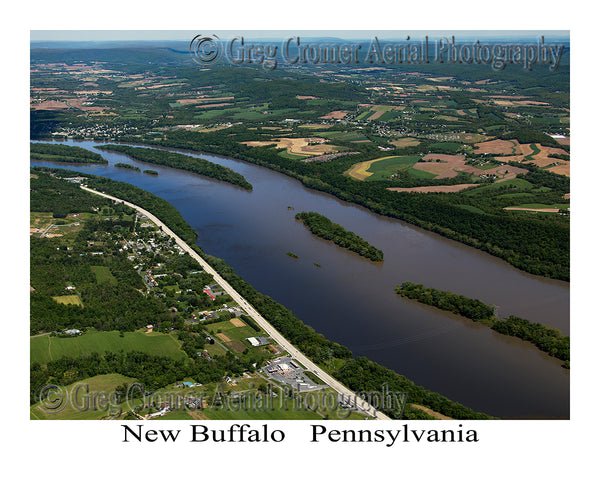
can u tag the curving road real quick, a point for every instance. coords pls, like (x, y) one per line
(347, 394)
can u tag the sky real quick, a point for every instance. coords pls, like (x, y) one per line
(187, 35)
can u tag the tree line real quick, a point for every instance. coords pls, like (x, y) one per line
(53, 152)
(322, 227)
(182, 162)
(547, 339)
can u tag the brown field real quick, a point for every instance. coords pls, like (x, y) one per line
(450, 165)
(236, 322)
(406, 142)
(541, 159)
(306, 97)
(297, 146)
(435, 188)
(223, 337)
(447, 117)
(376, 115)
(431, 412)
(194, 101)
(314, 125)
(564, 169)
(208, 105)
(567, 196)
(546, 210)
(237, 346)
(50, 105)
(335, 115)
(444, 168)
(504, 147)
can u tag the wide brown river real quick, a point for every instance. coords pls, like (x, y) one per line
(352, 300)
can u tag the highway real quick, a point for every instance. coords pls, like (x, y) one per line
(347, 394)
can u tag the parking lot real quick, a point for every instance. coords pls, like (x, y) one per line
(285, 370)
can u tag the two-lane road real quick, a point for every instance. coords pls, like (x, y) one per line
(347, 394)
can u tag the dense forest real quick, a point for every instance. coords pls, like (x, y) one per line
(183, 162)
(547, 339)
(325, 228)
(53, 152)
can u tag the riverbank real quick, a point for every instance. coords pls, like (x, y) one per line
(351, 301)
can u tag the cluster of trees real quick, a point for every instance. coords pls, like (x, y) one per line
(547, 339)
(49, 194)
(467, 307)
(527, 135)
(53, 152)
(183, 162)
(325, 228)
(127, 165)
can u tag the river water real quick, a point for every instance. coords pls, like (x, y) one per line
(352, 300)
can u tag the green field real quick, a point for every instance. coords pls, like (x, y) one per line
(46, 348)
(382, 169)
(421, 174)
(446, 147)
(103, 275)
(231, 331)
(471, 208)
(68, 300)
(343, 136)
(562, 206)
(515, 182)
(101, 384)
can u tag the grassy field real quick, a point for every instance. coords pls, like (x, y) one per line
(515, 182)
(46, 348)
(383, 168)
(68, 300)
(231, 331)
(343, 136)
(446, 147)
(105, 384)
(103, 275)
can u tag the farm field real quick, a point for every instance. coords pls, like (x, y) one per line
(534, 153)
(232, 333)
(46, 348)
(297, 146)
(382, 168)
(98, 384)
(103, 275)
(405, 142)
(68, 300)
(435, 188)
(519, 183)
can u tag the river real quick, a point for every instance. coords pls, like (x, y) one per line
(352, 300)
